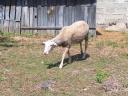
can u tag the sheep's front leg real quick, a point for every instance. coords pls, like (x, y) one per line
(63, 56)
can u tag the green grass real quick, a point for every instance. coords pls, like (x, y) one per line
(24, 67)
(2, 78)
(101, 75)
(103, 43)
(7, 42)
(100, 65)
(124, 55)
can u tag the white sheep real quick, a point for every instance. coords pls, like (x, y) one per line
(75, 33)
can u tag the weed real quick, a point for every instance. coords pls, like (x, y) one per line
(124, 55)
(2, 78)
(111, 43)
(27, 34)
(1, 33)
(100, 76)
(101, 44)
(7, 42)
(102, 62)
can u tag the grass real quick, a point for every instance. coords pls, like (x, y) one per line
(24, 67)
(110, 43)
(100, 76)
(7, 42)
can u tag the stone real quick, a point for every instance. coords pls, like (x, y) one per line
(118, 27)
(47, 85)
(111, 84)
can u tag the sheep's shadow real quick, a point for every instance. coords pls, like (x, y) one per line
(77, 57)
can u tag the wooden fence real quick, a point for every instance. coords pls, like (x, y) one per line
(27, 15)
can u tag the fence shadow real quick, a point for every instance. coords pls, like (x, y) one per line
(77, 57)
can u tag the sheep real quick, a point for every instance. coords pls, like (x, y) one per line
(74, 33)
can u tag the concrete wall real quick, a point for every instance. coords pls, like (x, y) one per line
(111, 11)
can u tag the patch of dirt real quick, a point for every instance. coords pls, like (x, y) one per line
(20, 38)
(48, 84)
(114, 36)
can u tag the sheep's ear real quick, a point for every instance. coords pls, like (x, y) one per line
(54, 44)
(43, 43)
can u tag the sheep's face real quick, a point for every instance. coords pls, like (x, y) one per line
(48, 46)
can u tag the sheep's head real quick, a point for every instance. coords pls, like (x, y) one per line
(48, 46)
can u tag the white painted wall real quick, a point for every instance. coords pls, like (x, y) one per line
(109, 11)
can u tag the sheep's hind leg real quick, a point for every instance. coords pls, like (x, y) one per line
(69, 56)
(86, 45)
(63, 56)
(81, 50)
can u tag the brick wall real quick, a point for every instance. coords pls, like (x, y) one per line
(111, 11)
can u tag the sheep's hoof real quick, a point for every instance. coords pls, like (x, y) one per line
(60, 67)
(83, 56)
(70, 60)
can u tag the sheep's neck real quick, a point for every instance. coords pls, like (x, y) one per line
(60, 42)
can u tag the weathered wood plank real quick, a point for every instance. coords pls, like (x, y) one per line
(51, 14)
(1, 14)
(39, 12)
(59, 17)
(85, 13)
(35, 15)
(25, 14)
(42, 16)
(31, 4)
(18, 16)
(51, 17)
(79, 13)
(44, 12)
(70, 8)
(6, 22)
(39, 15)
(73, 14)
(65, 16)
(12, 16)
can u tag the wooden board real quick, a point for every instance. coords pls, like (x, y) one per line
(79, 13)
(18, 16)
(31, 4)
(65, 16)
(12, 17)
(59, 17)
(51, 15)
(7, 16)
(43, 15)
(25, 15)
(85, 12)
(39, 15)
(35, 15)
(1, 15)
